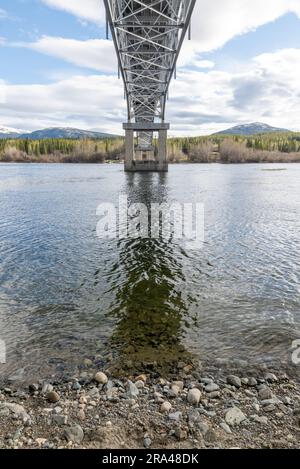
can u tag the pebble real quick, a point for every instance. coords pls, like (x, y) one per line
(272, 401)
(140, 384)
(225, 427)
(234, 381)
(74, 434)
(101, 377)
(174, 391)
(206, 380)
(147, 442)
(211, 387)
(47, 388)
(194, 396)
(87, 362)
(258, 419)
(234, 416)
(271, 378)
(76, 386)
(141, 378)
(203, 427)
(252, 382)
(33, 387)
(176, 416)
(179, 384)
(40, 441)
(17, 410)
(269, 408)
(52, 396)
(81, 414)
(265, 393)
(180, 433)
(165, 407)
(59, 419)
(132, 390)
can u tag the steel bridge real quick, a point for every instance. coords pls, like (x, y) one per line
(148, 35)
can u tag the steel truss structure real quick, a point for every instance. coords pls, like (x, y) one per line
(148, 35)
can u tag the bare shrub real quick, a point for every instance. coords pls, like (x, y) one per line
(234, 152)
(175, 156)
(201, 153)
(13, 154)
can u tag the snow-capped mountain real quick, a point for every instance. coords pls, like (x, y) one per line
(64, 132)
(9, 132)
(53, 132)
(251, 129)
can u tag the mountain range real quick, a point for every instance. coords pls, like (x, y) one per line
(251, 129)
(52, 132)
(69, 132)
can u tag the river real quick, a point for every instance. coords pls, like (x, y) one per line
(66, 295)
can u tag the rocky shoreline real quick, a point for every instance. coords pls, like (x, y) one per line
(196, 408)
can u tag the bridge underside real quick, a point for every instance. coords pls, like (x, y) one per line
(148, 35)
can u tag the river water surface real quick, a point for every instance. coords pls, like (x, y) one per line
(66, 295)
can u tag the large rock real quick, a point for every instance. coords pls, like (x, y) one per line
(265, 394)
(271, 378)
(132, 390)
(175, 416)
(194, 396)
(52, 396)
(211, 387)
(16, 409)
(234, 381)
(101, 378)
(234, 416)
(165, 407)
(74, 433)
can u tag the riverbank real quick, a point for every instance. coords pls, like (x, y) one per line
(275, 148)
(196, 408)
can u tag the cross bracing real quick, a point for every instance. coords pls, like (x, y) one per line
(148, 36)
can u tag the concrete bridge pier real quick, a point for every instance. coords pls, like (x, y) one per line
(142, 158)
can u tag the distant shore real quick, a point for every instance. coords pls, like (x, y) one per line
(266, 148)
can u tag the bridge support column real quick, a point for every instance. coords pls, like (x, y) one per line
(162, 150)
(143, 158)
(129, 149)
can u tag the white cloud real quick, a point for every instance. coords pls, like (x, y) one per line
(200, 101)
(204, 64)
(96, 54)
(3, 14)
(81, 101)
(91, 10)
(268, 90)
(215, 22)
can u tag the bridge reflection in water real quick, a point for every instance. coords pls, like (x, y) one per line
(149, 306)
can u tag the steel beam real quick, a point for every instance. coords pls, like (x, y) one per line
(148, 35)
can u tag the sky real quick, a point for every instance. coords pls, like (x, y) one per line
(242, 65)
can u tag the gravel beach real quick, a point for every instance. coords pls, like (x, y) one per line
(196, 407)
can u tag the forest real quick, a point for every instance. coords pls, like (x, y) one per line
(281, 147)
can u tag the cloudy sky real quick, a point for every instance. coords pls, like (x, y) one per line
(242, 65)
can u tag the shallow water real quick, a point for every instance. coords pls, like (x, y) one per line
(65, 294)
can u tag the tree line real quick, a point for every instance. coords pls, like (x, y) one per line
(223, 148)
